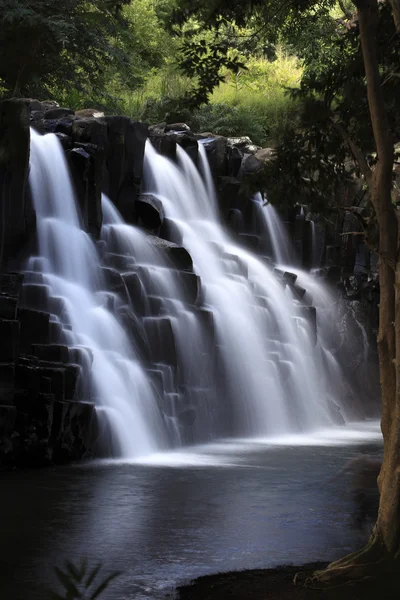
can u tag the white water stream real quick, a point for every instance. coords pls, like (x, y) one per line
(239, 360)
(72, 272)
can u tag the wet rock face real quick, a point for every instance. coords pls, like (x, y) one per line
(42, 417)
(18, 219)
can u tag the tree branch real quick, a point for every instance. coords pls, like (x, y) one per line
(344, 10)
(355, 150)
(396, 13)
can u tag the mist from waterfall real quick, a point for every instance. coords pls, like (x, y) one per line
(271, 379)
(72, 273)
(229, 349)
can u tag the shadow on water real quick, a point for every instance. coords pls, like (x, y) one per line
(229, 505)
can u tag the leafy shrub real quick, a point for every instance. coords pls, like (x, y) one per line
(80, 583)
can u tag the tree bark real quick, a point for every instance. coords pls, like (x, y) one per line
(388, 524)
(383, 548)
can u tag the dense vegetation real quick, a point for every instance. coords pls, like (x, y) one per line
(127, 58)
(224, 66)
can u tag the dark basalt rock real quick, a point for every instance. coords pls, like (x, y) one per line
(7, 374)
(17, 210)
(51, 352)
(164, 144)
(8, 307)
(170, 231)
(74, 430)
(189, 144)
(179, 127)
(149, 210)
(65, 126)
(161, 340)
(65, 141)
(87, 164)
(136, 292)
(90, 130)
(58, 113)
(216, 148)
(9, 336)
(191, 286)
(250, 165)
(177, 255)
(34, 328)
(230, 195)
(310, 314)
(11, 283)
(124, 160)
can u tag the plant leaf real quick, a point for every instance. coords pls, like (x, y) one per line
(83, 569)
(67, 583)
(103, 585)
(92, 576)
(73, 570)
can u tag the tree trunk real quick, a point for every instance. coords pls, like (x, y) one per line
(387, 528)
(383, 547)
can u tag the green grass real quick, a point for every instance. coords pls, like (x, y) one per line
(253, 103)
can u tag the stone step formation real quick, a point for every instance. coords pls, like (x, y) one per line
(43, 419)
(47, 409)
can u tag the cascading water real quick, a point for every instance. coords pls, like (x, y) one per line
(71, 271)
(187, 377)
(234, 356)
(271, 225)
(269, 376)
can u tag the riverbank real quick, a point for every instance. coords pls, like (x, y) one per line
(277, 584)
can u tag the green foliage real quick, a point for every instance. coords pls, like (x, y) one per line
(81, 583)
(316, 154)
(50, 43)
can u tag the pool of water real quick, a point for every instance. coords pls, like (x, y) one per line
(172, 517)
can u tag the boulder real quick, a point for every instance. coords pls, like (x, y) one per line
(90, 130)
(179, 256)
(65, 140)
(36, 120)
(169, 230)
(89, 112)
(179, 127)
(265, 154)
(49, 104)
(65, 125)
(58, 113)
(164, 144)
(149, 210)
(250, 165)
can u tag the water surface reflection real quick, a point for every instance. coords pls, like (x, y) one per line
(180, 515)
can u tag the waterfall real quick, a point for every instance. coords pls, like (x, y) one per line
(314, 248)
(71, 272)
(269, 377)
(272, 226)
(189, 378)
(183, 355)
